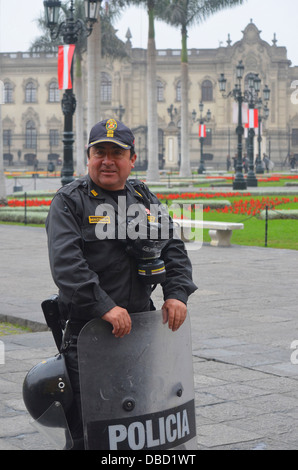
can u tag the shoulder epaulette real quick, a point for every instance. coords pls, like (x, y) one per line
(141, 188)
(70, 187)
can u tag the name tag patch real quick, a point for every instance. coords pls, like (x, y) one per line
(99, 219)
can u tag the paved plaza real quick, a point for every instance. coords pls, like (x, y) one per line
(244, 322)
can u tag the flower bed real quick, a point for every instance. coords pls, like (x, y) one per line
(29, 202)
(242, 204)
(249, 206)
(36, 210)
(253, 206)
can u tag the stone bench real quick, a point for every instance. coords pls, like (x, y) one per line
(219, 232)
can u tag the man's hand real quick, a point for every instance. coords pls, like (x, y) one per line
(120, 320)
(174, 312)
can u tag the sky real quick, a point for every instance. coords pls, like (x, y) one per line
(18, 26)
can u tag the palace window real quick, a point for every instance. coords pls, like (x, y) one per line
(7, 137)
(160, 90)
(105, 87)
(207, 90)
(54, 137)
(8, 93)
(31, 135)
(54, 95)
(295, 137)
(30, 93)
(178, 91)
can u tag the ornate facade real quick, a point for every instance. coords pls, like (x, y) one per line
(32, 118)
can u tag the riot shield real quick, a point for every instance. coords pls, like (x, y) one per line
(137, 392)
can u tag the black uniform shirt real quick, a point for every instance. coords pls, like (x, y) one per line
(94, 275)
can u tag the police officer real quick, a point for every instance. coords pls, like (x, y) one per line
(96, 276)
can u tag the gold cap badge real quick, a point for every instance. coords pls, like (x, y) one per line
(111, 126)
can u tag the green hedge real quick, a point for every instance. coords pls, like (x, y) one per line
(32, 194)
(280, 214)
(33, 217)
(6, 209)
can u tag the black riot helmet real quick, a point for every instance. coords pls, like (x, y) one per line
(46, 383)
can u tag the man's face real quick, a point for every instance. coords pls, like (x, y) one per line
(110, 165)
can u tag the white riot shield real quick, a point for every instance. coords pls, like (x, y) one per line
(137, 392)
(53, 425)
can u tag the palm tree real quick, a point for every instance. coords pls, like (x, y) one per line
(94, 71)
(184, 14)
(103, 42)
(153, 7)
(2, 177)
(81, 47)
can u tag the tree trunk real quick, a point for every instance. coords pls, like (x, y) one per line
(152, 170)
(2, 177)
(185, 169)
(94, 75)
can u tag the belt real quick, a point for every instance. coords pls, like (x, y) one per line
(74, 327)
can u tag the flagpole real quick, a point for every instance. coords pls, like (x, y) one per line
(239, 181)
(251, 179)
(202, 133)
(68, 104)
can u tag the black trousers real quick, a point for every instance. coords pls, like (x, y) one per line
(74, 415)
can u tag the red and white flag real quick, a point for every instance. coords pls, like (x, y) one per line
(253, 122)
(246, 128)
(245, 135)
(235, 111)
(65, 56)
(202, 130)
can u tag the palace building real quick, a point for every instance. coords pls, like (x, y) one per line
(32, 118)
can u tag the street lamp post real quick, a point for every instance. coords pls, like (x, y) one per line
(239, 181)
(202, 120)
(70, 30)
(247, 96)
(253, 90)
(261, 117)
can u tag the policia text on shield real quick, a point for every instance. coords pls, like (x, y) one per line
(111, 278)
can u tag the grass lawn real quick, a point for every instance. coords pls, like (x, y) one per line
(281, 233)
